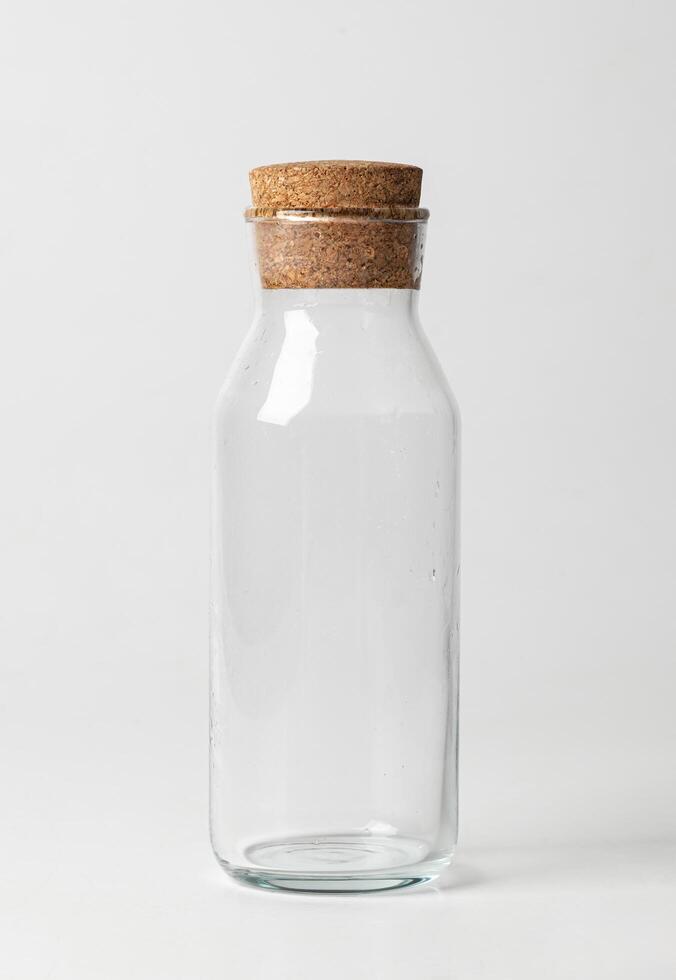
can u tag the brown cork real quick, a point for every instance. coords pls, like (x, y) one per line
(335, 184)
(345, 224)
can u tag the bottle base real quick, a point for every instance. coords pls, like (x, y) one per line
(339, 863)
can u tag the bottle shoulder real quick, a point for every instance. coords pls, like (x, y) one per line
(302, 365)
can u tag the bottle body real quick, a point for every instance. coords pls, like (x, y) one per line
(335, 590)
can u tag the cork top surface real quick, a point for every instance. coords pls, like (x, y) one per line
(317, 184)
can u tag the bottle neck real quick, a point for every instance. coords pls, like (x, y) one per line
(399, 304)
(321, 251)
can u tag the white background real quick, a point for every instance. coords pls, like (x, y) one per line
(546, 132)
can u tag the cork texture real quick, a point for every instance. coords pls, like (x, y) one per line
(335, 184)
(338, 224)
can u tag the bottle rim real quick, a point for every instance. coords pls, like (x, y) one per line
(394, 214)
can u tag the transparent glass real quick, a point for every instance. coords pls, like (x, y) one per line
(335, 580)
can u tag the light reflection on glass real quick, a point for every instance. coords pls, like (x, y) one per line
(292, 379)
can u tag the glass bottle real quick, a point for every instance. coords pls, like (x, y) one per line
(335, 568)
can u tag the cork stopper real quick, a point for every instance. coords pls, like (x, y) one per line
(335, 184)
(348, 224)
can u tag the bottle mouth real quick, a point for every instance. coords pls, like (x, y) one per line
(376, 247)
(390, 213)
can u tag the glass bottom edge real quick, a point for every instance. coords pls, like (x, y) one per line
(287, 867)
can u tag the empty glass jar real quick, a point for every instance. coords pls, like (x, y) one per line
(335, 572)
